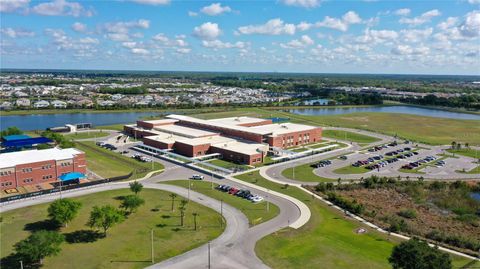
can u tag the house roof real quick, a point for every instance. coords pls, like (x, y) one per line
(12, 159)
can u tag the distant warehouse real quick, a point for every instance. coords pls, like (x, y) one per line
(238, 139)
(33, 167)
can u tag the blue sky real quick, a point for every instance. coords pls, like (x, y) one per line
(429, 37)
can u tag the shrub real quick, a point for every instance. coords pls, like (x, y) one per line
(408, 213)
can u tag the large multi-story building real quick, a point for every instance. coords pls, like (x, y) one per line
(32, 167)
(239, 139)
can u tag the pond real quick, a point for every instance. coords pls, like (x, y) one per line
(43, 121)
(421, 111)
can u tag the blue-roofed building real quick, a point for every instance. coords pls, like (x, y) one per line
(29, 142)
(15, 137)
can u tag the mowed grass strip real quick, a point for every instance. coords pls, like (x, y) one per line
(255, 212)
(127, 244)
(107, 163)
(86, 135)
(349, 136)
(328, 240)
(304, 173)
(469, 152)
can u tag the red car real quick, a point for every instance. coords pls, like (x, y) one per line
(233, 191)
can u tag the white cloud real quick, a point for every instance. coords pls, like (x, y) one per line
(302, 3)
(14, 33)
(140, 51)
(120, 31)
(303, 42)
(450, 22)
(402, 12)
(376, 36)
(164, 41)
(152, 2)
(271, 27)
(424, 18)
(471, 26)
(207, 31)
(89, 40)
(415, 36)
(13, 5)
(79, 27)
(61, 8)
(215, 9)
(183, 50)
(304, 26)
(408, 50)
(474, 2)
(192, 14)
(217, 44)
(342, 24)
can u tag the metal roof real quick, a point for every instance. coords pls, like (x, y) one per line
(15, 137)
(26, 142)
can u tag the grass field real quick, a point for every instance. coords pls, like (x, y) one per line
(466, 152)
(255, 212)
(304, 173)
(110, 164)
(115, 127)
(86, 135)
(432, 130)
(349, 169)
(127, 244)
(227, 164)
(328, 240)
(349, 136)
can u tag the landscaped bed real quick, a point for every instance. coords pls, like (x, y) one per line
(127, 244)
(438, 211)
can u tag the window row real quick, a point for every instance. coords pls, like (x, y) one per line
(6, 173)
(4, 184)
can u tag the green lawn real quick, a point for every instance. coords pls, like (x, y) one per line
(349, 136)
(227, 164)
(328, 240)
(255, 212)
(304, 173)
(127, 244)
(466, 152)
(86, 135)
(107, 163)
(349, 169)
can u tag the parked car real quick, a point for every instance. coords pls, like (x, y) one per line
(197, 177)
(343, 157)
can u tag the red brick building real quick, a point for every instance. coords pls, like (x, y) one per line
(239, 139)
(32, 167)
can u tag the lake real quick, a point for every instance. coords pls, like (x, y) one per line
(421, 111)
(43, 121)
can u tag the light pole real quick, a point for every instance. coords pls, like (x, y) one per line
(151, 240)
(268, 204)
(189, 186)
(221, 210)
(209, 255)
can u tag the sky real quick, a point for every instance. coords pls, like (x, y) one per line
(305, 36)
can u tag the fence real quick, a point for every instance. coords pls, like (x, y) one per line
(64, 188)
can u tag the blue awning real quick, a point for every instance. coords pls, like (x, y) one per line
(26, 142)
(71, 176)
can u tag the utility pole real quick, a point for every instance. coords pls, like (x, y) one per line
(293, 173)
(151, 239)
(189, 186)
(221, 210)
(268, 204)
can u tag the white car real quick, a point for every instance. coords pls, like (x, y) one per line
(197, 177)
(257, 199)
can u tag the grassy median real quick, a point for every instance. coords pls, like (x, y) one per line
(128, 243)
(255, 212)
(328, 240)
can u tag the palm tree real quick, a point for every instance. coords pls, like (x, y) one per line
(182, 208)
(454, 144)
(195, 215)
(173, 196)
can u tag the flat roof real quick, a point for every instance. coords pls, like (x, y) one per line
(184, 131)
(15, 137)
(164, 137)
(12, 159)
(237, 120)
(283, 128)
(205, 140)
(242, 146)
(219, 124)
(161, 121)
(26, 142)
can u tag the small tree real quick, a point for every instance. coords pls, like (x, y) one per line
(459, 146)
(131, 203)
(195, 215)
(454, 144)
(64, 211)
(417, 254)
(173, 196)
(105, 217)
(136, 187)
(39, 245)
(182, 208)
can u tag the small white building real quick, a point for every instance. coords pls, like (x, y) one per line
(59, 104)
(6, 106)
(23, 102)
(41, 104)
